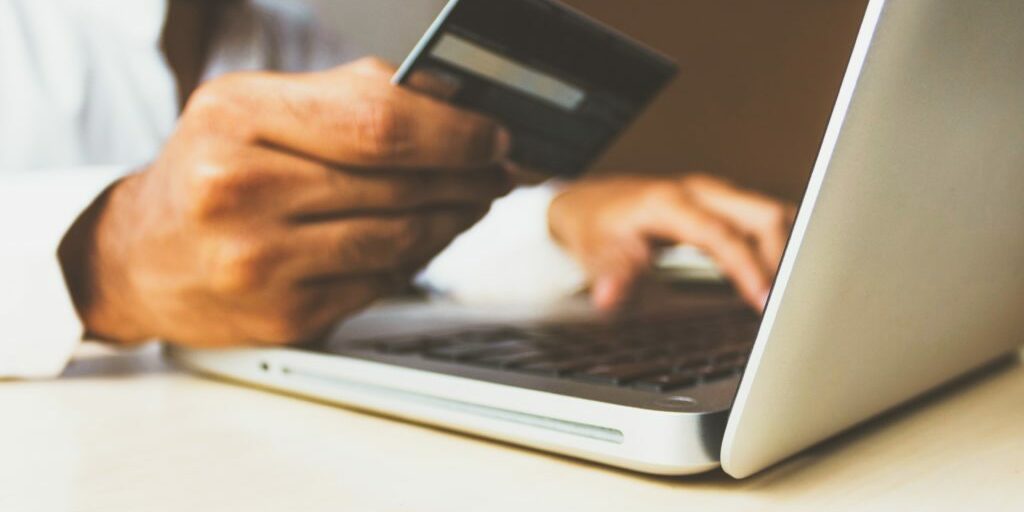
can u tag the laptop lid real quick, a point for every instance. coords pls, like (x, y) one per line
(906, 265)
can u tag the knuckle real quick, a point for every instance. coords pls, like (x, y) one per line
(774, 219)
(776, 216)
(219, 104)
(699, 181)
(730, 255)
(372, 64)
(736, 254)
(659, 193)
(286, 326)
(384, 247)
(216, 187)
(790, 213)
(208, 99)
(481, 137)
(241, 268)
(213, 98)
(716, 234)
(697, 177)
(381, 131)
(277, 331)
(701, 178)
(408, 193)
(359, 301)
(411, 234)
(414, 190)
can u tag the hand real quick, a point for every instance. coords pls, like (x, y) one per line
(613, 225)
(281, 204)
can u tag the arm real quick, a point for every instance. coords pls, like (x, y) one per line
(246, 229)
(39, 327)
(509, 256)
(268, 229)
(613, 226)
(501, 257)
(544, 243)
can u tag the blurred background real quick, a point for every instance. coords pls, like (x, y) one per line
(751, 101)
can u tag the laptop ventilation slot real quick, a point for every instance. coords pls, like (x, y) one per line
(609, 435)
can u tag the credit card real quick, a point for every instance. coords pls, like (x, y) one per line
(564, 84)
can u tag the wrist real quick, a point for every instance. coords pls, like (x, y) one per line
(95, 271)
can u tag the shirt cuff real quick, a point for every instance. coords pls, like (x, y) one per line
(509, 257)
(39, 326)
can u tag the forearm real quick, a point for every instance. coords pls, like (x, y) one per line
(508, 257)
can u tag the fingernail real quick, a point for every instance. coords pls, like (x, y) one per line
(606, 293)
(502, 144)
(602, 289)
(764, 299)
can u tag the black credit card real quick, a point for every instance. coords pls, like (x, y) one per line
(564, 84)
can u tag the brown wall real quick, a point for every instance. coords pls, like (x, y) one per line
(751, 101)
(756, 85)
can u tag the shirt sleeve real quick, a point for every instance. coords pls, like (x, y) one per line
(509, 257)
(39, 327)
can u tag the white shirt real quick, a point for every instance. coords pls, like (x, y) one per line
(86, 96)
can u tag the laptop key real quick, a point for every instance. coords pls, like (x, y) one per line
(648, 354)
(570, 365)
(716, 373)
(482, 349)
(514, 359)
(691, 361)
(509, 346)
(409, 345)
(621, 373)
(556, 368)
(458, 352)
(668, 382)
(733, 360)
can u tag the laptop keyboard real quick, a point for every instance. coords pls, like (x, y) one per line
(657, 355)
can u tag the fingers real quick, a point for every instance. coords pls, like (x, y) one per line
(341, 297)
(436, 85)
(601, 219)
(349, 116)
(242, 181)
(344, 193)
(766, 220)
(524, 175)
(331, 269)
(616, 272)
(686, 223)
(308, 311)
(365, 245)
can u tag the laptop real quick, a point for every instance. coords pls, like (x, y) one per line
(905, 270)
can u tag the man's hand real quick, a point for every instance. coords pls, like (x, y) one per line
(281, 204)
(613, 225)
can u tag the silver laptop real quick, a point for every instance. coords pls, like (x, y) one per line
(905, 269)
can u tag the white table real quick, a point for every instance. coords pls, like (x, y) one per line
(126, 432)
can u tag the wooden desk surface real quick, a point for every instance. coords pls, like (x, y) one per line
(125, 432)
